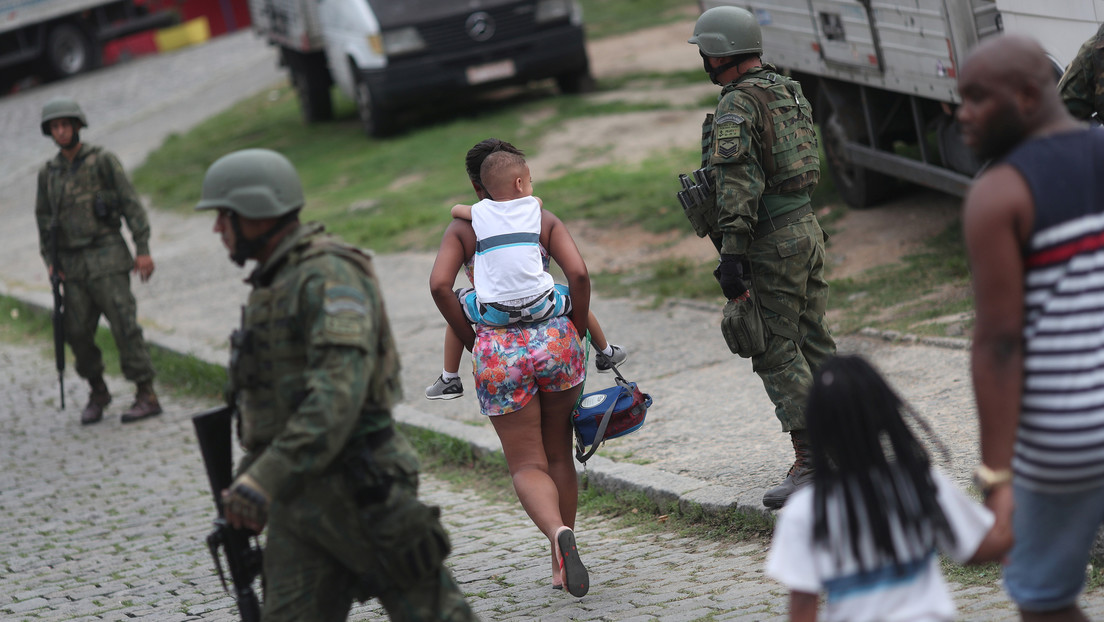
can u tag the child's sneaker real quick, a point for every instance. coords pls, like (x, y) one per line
(445, 389)
(605, 363)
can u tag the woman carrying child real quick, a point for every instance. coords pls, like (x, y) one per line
(528, 377)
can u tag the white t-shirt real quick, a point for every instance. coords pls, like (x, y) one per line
(508, 264)
(918, 593)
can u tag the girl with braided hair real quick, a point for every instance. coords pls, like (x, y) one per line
(867, 532)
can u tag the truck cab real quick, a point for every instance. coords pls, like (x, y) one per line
(388, 56)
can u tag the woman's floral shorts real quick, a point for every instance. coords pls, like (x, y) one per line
(513, 362)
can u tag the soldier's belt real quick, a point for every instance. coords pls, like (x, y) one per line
(766, 227)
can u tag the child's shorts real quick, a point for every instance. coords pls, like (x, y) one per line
(513, 363)
(555, 302)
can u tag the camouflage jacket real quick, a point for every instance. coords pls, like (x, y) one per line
(736, 153)
(314, 365)
(1082, 85)
(89, 245)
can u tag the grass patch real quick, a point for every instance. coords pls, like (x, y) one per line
(931, 283)
(177, 374)
(605, 18)
(394, 194)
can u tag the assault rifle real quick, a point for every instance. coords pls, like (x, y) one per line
(58, 316)
(243, 557)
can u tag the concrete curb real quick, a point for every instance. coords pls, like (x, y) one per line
(605, 474)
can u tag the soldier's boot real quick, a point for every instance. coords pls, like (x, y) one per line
(145, 404)
(800, 473)
(97, 401)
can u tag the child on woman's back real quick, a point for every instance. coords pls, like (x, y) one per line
(867, 531)
(509, 269)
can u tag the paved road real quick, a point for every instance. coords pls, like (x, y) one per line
(105, 523)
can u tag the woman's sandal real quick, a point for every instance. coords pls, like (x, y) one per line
(574, 573)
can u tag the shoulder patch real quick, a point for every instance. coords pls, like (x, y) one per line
(729, 117)
(346, 315)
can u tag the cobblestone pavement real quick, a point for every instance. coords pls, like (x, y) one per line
(107, 522)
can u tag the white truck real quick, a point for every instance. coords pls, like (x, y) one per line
(389, 55)
(881, 75)
(59, 38)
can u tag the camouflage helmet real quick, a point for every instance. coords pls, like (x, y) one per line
(253, 183)
(727, 31)
(61, 108)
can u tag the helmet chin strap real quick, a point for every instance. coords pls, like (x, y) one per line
(245, 249)
(715, 72)
(74, 138)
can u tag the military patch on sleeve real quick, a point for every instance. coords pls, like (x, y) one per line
(726, 135)
(346, 315)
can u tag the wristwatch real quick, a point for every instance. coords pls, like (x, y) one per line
(986, 479)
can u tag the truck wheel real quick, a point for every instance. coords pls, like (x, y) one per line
(576, 82)
(69, 51)
(312, 85)
(376, 119)
(859, 187)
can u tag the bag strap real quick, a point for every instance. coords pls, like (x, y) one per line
(599, 435)
(586, 361)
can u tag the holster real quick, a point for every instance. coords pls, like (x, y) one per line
(743, 327)
(369, 482)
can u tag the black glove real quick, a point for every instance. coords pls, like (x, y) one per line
(730, 274)
(246, 503)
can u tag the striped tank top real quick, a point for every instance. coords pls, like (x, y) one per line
(1060, 442)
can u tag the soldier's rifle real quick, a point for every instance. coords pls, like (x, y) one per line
(58, 315)
(243, 557)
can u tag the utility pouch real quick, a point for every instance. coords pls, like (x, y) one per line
(743, 327)
(104, 208)
(411, 542)
(698, 199)
(370, 483)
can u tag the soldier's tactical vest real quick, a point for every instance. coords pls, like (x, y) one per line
(269, 353)
(791, 161)
(791, 135)
(73, 190)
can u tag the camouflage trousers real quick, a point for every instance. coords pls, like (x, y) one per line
(787, 266)
(110, 296)
(325, 550)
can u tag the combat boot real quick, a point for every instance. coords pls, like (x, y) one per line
(800, 473)
(97, 401)
(145, 404)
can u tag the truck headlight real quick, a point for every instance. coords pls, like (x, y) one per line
(402, 41)
(553, 10)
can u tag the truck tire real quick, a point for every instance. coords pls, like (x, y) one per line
(859, 187)
(69, 51)
(311, 79)
(376, 119)
(576, 82)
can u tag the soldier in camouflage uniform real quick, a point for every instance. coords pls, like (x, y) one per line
(315, 372)
(1082, 85)
(759, 150)
(84, 190)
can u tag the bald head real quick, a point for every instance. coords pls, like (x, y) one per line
(1009, 92)
(1013, 59)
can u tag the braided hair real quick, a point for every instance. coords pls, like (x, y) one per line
(872, 474)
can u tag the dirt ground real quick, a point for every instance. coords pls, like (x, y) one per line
(860, 240)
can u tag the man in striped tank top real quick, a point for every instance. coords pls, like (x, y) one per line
(1034, 227)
